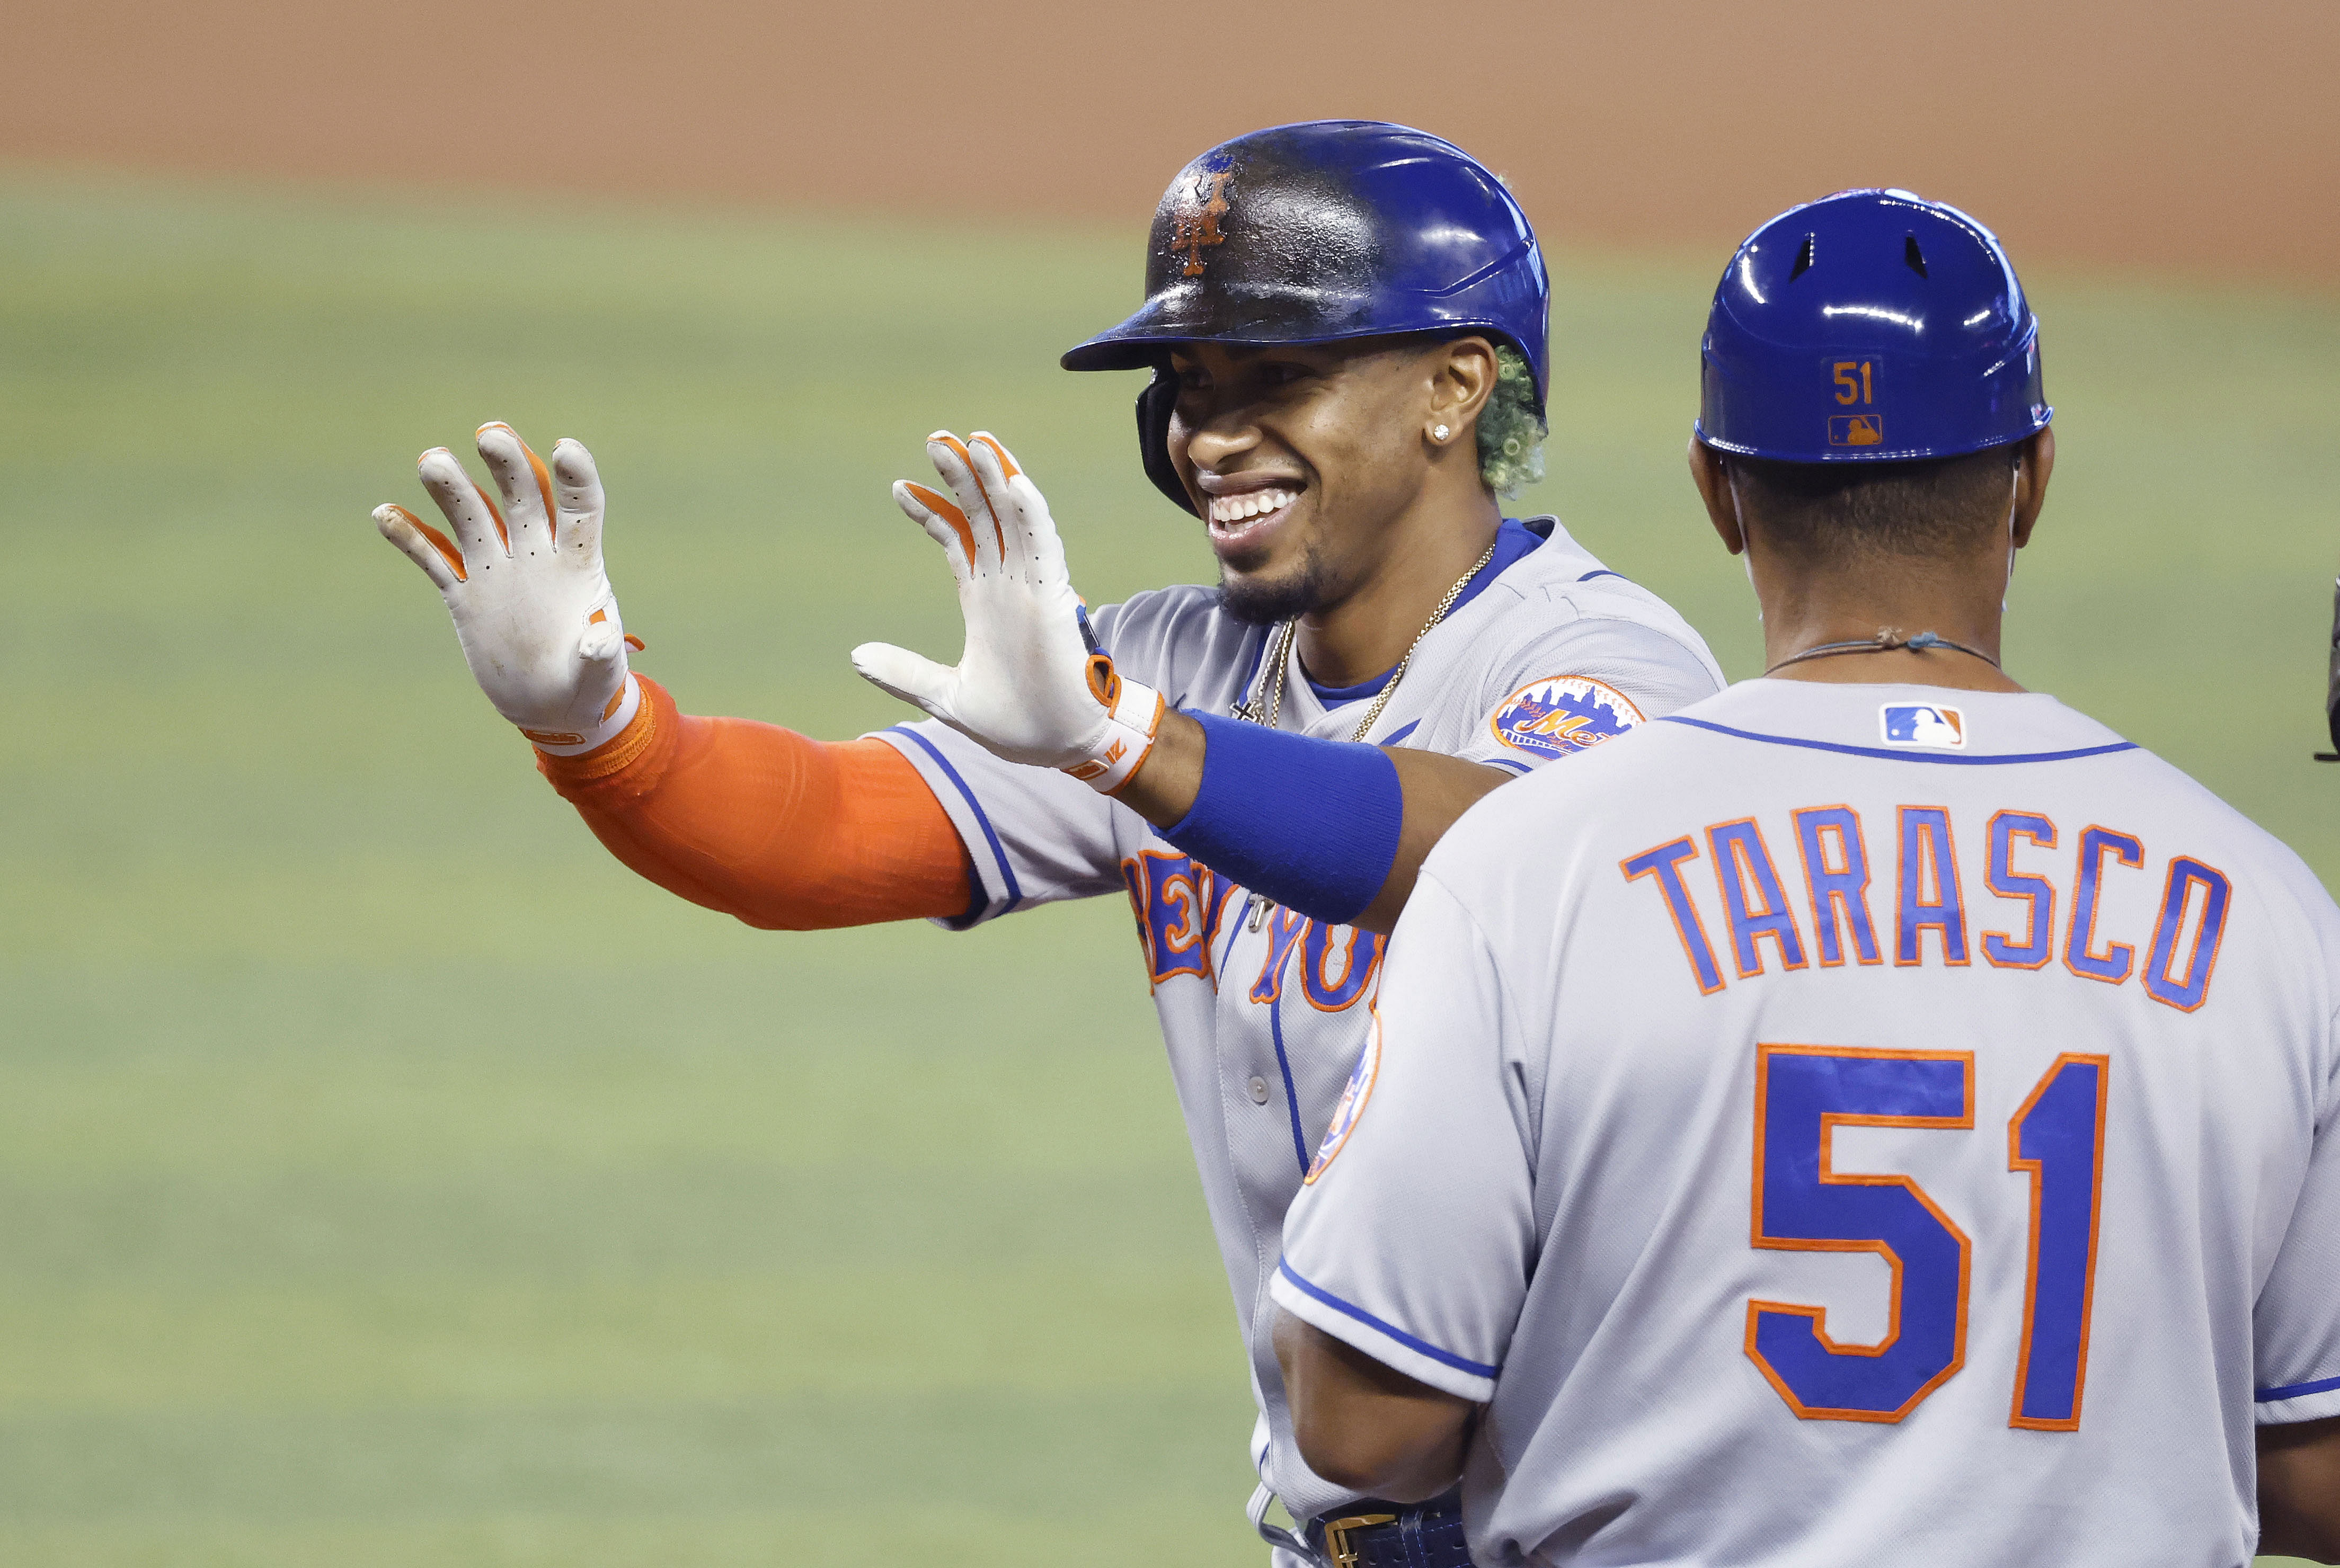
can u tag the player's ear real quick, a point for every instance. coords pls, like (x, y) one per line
(1710, 472)
(2035, 459)
(1461, 379)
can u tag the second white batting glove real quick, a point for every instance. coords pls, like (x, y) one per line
(531, 604)
(1031, 686)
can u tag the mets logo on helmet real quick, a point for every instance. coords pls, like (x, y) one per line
(1563, 714)
(1196, 224)
(1353, 1102)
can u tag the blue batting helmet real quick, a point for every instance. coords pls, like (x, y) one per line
(1315, 232)
(1869, 326)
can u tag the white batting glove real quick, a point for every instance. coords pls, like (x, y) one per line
(531, 604)
(1032, 685)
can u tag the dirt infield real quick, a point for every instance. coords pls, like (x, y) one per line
(2150, 135)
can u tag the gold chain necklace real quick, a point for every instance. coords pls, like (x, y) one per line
(1389, 687)
(1260, 906)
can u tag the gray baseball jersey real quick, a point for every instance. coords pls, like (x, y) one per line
(1842, 1123)
(1262, 1008)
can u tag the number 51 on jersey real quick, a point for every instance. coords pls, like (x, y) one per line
(1803, 1093)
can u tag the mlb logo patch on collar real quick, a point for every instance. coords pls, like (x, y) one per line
(1928, 725)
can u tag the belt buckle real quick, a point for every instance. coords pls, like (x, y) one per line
(1336, 1535)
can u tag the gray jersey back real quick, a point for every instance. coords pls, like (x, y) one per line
(1263, 1010)
(1842, 1124)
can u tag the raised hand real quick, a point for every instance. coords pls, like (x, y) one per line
(533, 606)
(1031, 685)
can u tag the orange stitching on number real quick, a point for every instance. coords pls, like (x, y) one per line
(2015, 1162)
(1829, 1121)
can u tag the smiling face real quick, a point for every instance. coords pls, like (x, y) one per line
(1301, 458)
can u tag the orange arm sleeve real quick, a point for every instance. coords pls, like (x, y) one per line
(757, 822)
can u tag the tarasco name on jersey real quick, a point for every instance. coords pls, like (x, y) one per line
(2040, 892)
(1183, 906)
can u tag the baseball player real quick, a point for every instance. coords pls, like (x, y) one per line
(1346, 322)
(1876, 1114)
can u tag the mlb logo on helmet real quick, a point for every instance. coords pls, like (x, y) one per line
(1854, 381)
(1838, 308)
(1552, 717)
(1924, 725)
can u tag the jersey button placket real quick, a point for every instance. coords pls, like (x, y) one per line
(1258, 1090)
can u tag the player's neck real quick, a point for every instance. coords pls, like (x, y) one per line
(1428, 549)
(1958, 601)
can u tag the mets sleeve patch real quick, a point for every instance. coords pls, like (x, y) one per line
(1353, 1102)
(1561, 713)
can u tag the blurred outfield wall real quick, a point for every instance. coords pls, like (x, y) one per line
(2152, 134)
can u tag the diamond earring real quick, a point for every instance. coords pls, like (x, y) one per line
(1439, 434)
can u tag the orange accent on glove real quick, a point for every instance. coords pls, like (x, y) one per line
(782, 832)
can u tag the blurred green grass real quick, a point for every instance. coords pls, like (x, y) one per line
(387, 1176)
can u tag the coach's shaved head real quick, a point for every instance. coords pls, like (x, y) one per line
(1841, 551)
(1850, 513)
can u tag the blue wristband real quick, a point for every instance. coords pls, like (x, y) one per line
(1311, 824)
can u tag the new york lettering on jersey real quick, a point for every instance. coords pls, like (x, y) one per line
(1182, 908)
(1330, 967)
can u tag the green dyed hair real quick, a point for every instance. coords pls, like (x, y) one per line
(1510, 431)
